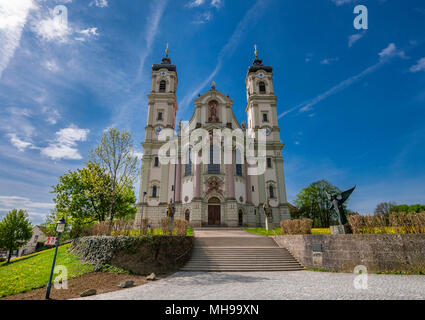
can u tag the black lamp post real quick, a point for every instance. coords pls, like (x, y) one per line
(60, 227)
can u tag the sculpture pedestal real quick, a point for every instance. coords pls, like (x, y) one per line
(267, 223)
(344, 229)
(170, 225)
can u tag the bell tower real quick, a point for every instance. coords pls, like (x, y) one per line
(261, 112)
(261, 106)
(156, 186)
(162, 101)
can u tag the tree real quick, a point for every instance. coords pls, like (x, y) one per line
(313, 203)
(115, 154)
(82, 194)
(384, 208)
(82, 198)
(414, 208)
(15, 231)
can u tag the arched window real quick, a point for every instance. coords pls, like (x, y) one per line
(240, 218)
(162, 86)
(271, 191)
(214, 164)
(262, 87)
(154, 191)
(187, 215)
(238, 163)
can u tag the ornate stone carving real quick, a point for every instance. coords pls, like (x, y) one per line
(214, 184)
(213, 111)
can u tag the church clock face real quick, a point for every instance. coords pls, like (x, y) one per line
(158, 130)
(163, 73)
(261, 75)
(268, 131)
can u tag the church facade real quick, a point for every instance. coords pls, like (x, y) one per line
(215, 193)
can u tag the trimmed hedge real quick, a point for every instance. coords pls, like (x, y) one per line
(296, 226)
(136, 254)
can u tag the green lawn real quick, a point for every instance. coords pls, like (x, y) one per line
(27, 273)
(278, 231)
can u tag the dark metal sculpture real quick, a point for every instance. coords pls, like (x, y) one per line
(338, 200)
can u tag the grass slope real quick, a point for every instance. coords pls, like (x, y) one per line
(31, 272)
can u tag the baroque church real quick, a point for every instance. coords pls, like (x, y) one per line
(212, 194)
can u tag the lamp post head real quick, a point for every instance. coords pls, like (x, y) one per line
(60, 225)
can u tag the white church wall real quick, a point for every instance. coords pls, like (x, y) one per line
(187, 189)
(240, 191)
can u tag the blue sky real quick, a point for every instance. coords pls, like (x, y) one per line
(351, 103)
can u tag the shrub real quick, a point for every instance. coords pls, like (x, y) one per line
(165, 222)
(296, 226)
(356, 223)
(404, 222)
(398, 222)
(100, 229)
(181, 227)
(144, 226)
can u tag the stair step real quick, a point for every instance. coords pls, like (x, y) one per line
(239, 269)
(234, 254)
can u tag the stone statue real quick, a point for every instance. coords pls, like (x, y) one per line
(171, 210)
(213, 111)
(337, 200)
(267, 212)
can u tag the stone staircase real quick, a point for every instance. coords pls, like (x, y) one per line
(240, 253)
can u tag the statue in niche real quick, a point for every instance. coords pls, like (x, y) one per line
(213, 111)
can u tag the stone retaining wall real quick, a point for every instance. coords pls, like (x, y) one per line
(378, 252)
(140, 255)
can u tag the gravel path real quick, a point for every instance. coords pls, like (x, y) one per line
(272, 286)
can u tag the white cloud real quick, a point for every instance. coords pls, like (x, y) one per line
(52, 28)
(89, 31)
(385, 56)
(195, 3)
(33, 208)
(150, 33)
(252, 14)
(18, 143)
(341, 2)
(139, 155)
(13, 16)
(203, 18)
(99, 3)
(391, 51)
(419, 66)
(217, 3)
(328, 61)
(354, 38)
(52, 115)
(19, 111)
(64, 145)
(51, 65)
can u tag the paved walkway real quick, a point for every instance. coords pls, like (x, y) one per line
(271, 286)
